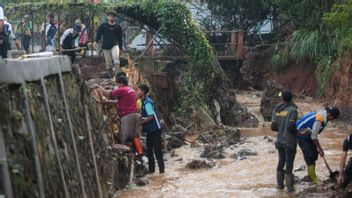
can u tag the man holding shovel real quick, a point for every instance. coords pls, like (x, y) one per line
(67, 42)
(309, 127)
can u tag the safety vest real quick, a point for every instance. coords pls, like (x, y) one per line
(154, 125)
(307, 121)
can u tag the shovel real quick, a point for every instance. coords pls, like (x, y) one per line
(332, 175)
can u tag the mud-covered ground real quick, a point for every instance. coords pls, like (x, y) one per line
(248, 169)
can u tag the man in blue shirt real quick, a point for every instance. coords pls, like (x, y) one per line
(309, 127)
(151, 127)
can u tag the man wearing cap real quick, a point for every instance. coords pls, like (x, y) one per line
(309, 127)
(283, 120)
(112, 42)
(67, 42)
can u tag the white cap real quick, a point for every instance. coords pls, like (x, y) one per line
(1, 13)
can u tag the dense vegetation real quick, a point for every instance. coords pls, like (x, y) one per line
(320, 38)
(314, 31)
(175, 23)
(304, 30)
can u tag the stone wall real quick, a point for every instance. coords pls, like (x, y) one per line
(53, 138)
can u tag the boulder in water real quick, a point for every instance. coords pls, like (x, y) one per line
(213, 151)
(140, 169)
(232, 113)
(199, 164)
(270, 98)
(243, 154)
(179, 135)
(173, 142)
(141, 181)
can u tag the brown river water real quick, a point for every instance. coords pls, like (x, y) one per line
(251, 177)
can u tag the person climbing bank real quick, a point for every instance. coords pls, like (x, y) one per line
(284, 119)
(309, 127)
(127, 108)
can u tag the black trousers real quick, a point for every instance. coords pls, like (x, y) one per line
(154, 147)
(71, 54)
(286, 157)
(25, 43)
(3, 51)
(348, 174)
(309, 150)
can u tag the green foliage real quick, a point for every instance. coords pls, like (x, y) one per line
(175, 22)
(327, 36)
(305, 14)
(319, 47)
(236, 14)
(279, 56)
(340, 16)
(191, 93)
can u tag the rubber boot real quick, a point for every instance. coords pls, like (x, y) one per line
(151, 166)
(161, 165)
(290, 180)
(280, 176)
(311, 173)
(138, 146)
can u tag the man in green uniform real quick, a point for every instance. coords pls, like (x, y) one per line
(284, 119)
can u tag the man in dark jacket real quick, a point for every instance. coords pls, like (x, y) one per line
(112, 42)
(151, 127)
(284, 122)
(67, 42)
(345, 170)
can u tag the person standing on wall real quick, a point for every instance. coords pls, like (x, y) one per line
(284, 123)
(48, 31)
(112, 43)
(67, 42)
(4, 36)
(83, 38)
(25, 27)
(151, 126)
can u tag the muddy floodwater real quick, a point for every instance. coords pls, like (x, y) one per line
(250, 177)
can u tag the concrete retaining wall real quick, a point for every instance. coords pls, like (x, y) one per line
(53, 138)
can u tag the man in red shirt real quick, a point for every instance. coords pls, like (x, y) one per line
(126, 104)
